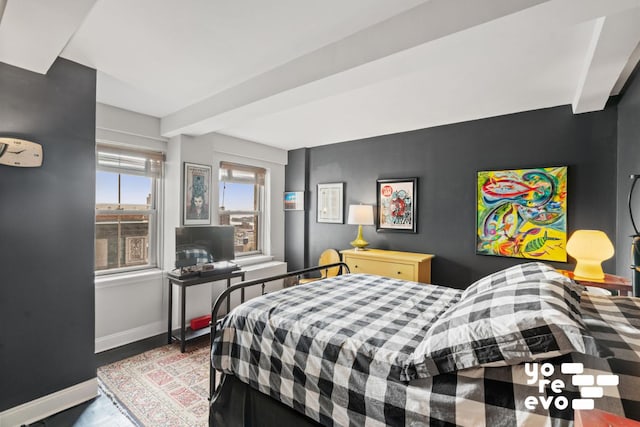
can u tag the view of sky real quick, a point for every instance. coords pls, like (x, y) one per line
(237, 197)
(135, 189)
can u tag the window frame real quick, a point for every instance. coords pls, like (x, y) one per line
(154, 253)
(260, 192)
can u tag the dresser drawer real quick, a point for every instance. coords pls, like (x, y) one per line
(382, 268)
(398, 265)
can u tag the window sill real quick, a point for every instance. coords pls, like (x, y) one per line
(251, 260)
(126, 278)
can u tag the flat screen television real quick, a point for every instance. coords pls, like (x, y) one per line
(200, 245)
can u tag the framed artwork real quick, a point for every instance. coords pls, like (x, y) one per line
(197, 197)
(522, 213)
(397, 205)
(293, 200)
(331, 203)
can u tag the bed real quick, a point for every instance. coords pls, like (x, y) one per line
(516, 348)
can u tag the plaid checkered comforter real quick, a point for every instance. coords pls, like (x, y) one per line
(334, 350)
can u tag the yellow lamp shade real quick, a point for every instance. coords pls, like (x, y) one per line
(589, 248)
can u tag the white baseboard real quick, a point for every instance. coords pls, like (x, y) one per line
(50, 404)
(130, 335)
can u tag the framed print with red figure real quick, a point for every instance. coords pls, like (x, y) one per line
(397, 205)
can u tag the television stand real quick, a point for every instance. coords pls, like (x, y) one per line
(184, 333)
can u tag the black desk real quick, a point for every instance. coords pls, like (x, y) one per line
(185, 334)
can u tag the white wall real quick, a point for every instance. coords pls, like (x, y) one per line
(211, 149)
(118, 126)
(131, 307)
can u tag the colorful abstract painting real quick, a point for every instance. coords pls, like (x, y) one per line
(522, 213)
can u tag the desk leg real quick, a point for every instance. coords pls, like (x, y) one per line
(183, 314)
(169, 334)
(242, 290)
(228, 296)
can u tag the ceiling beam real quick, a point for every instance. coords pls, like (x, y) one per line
(364, 57)
(34, 32)
(613, 43)
(279, 88)
(626, 72)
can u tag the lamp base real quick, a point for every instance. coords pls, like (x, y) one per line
(588, 270)
(359, 243)
(359, 248)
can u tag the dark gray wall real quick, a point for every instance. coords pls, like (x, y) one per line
(628, 163)
(47, 306)
(296, 222)
(445, 159)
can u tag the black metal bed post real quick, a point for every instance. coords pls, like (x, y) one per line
(226, 294)
(635, 243)
(635, 258)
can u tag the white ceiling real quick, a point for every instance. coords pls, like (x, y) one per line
(291, 73)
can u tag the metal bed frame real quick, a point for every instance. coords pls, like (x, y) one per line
(226, 294)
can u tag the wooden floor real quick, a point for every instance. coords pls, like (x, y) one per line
(101, 412)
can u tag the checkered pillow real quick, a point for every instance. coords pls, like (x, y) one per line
(517, 273)
(505, 325)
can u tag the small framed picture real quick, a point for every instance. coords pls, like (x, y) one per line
(293, 200)
(197, 197)
(331, 203)
(397, 205)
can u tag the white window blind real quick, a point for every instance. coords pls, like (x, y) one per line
(129, 161)
(241, 174)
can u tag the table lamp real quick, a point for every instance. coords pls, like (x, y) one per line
(360, 215)
(589, 248)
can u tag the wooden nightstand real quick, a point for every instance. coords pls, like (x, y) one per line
(610, 282)
(398, 265)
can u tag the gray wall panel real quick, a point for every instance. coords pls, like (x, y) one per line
(295, 231)
(445, 159)
(628, 163)
(47, 306)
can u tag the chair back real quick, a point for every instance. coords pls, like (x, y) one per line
(329, 256)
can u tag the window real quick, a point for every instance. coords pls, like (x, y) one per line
(242, 205)
(127, 196)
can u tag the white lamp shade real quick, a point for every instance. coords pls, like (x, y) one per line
(360, 215)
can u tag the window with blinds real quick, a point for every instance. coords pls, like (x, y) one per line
(242, 193)
(128, 184)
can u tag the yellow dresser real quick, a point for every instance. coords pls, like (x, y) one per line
(401, 265)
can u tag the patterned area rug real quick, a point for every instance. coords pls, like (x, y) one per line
(162, 387)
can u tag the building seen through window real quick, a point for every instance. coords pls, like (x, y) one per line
(127, 191)
(241, 204)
